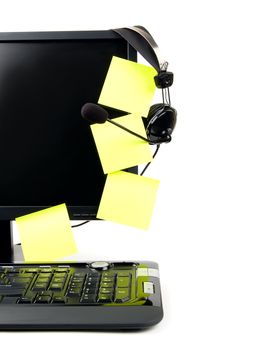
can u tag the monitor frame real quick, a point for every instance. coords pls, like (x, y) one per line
(75, 212)
(9, 213)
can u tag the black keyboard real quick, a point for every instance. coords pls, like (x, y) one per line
(97, 295)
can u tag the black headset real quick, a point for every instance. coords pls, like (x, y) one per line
(162, 117)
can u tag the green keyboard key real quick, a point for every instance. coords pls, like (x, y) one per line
(122, 295)
(123, 282)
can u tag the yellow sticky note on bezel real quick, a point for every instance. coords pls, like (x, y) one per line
(46, 235)
(128, 199)
(129, 86)
(117, 148)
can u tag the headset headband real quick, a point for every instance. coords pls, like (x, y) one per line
(146, 47)
(143, 42)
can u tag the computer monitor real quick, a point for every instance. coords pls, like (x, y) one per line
(47, 153)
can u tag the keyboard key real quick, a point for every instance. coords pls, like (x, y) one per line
(104, 298)
(79, 274)
(27, 275)
(30, 295)
(78, 280)
(75, 287)
(88, 299)
(42, 280)
(62, 269)
(122, 295)
(46, 292)
(56, 286)
(74, 292)
(91, 285)
(92, 280)
(58, 275)
(9, 300)
(12, 291)
(43, 275)
(43, 299)
(32, 270)
(108, 279)
(109, 274)
(58, 280)
(4, 281)
(123, 274)
(148, 287)
(46, 270)
(59, 300)
(90, 291)
(25, 300)
(12, 274)
(107, 284)
(106, 290)
(40, 286)
(8, 269)
(123, 282)
(12, 270)
(22, 280)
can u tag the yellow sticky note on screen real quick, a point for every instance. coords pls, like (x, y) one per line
(46, 235)
(128, 199)
(129, 86)
(117, 148)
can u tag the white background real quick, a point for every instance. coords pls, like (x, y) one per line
(211, 227)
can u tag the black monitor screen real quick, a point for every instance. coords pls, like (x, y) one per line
(47, 153)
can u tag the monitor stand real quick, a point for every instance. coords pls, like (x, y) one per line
(8, 252)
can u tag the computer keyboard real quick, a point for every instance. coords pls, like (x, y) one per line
(97, 295)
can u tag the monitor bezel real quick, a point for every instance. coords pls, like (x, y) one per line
(75, 212)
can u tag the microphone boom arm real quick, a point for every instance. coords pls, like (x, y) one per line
(130, 131)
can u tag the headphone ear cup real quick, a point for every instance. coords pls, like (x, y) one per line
(160, 122)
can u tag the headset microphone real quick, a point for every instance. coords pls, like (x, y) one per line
(95, 114)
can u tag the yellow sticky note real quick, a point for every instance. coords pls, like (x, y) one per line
(117, 148)
(46, 235)
(129, 86)
(128, 199)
